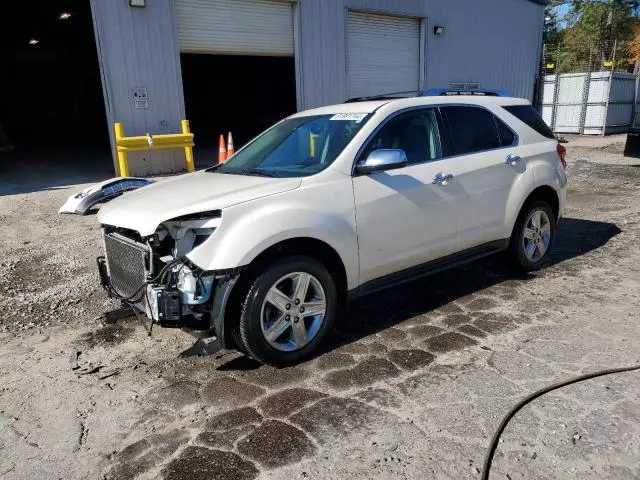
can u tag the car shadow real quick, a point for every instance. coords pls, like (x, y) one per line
(372, 314)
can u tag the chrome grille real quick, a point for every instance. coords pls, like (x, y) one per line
(126, 263)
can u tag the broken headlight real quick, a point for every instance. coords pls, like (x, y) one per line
(189, 231)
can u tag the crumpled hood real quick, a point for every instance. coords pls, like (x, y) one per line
(146, 208)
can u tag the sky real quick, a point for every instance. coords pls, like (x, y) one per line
(561, 11)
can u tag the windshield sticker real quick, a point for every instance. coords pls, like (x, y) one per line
(351, 117)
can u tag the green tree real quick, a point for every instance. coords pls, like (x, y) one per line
(593, 28)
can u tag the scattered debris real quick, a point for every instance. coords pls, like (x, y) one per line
(203, 347)
(75, 355)
(109, 374)
(90, 370)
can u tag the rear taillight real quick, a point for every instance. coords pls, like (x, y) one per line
(562, 152)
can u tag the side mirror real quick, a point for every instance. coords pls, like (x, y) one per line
(382, 159)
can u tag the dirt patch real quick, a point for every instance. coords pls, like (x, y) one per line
(332, 361)
(472, 331)
(225, 440)
(391, 335)
(234, 419)
(179, 394)
(366, 372)
(228, 392)
(335, 416)
(108, 336)
(410, 359)
(284, 403)
(275, 444)
(199, 463)
(456, 319)
(448, 342)
(274, 377)
(480, 304)
(425, 331)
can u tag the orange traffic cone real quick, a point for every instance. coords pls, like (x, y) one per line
(222, 150)
(230, 149)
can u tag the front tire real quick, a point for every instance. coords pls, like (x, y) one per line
(288, 310)
(533, 237)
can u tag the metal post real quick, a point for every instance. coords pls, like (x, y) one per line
(123, 164)
(541, 74)
(585, 93)
(634, 110)
(556, 89)
(188, 151)
(606, 107)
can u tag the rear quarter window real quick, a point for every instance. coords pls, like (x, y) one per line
(527, 114)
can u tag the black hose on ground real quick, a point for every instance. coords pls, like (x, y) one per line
(496, 436)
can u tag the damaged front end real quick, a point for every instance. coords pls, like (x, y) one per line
(153, 274)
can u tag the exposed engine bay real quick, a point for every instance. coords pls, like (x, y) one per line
(154, 275)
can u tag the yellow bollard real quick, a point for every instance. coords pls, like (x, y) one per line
(188, 151)
(312, 144)
(123, 164)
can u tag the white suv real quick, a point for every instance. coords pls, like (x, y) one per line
(331, 204)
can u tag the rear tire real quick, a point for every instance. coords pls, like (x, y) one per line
(287, 311)
(533, 237)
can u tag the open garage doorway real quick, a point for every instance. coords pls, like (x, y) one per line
(238, 68)
(237, 93)
(54, 129)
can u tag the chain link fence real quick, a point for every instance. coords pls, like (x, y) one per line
(586, 89)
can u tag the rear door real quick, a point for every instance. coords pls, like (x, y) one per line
(487, 165)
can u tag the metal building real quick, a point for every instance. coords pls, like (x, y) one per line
(241, 65)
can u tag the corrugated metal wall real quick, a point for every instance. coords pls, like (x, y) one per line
(493, 42)
(138, 48)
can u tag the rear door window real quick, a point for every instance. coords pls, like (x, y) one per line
(472, 129)
(527, 114)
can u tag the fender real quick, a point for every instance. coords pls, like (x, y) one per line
(543, 174)
(251, 228)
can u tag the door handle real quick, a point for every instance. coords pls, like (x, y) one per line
(442, 178)
(512, 160)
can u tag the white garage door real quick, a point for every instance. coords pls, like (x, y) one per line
(383, 54)
(235, 27)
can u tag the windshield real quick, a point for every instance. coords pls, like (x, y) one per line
(296, 147)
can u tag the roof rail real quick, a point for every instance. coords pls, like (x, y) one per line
(489, 92)
(434, 92)
(387, 96)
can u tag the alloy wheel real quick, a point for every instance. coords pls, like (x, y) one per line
(293, 311)
(537, 236)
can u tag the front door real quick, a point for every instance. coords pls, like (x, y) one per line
(407, 216)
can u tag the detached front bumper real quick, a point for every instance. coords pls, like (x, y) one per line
(174, 293)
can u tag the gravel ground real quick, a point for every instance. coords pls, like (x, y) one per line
(412, 384)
